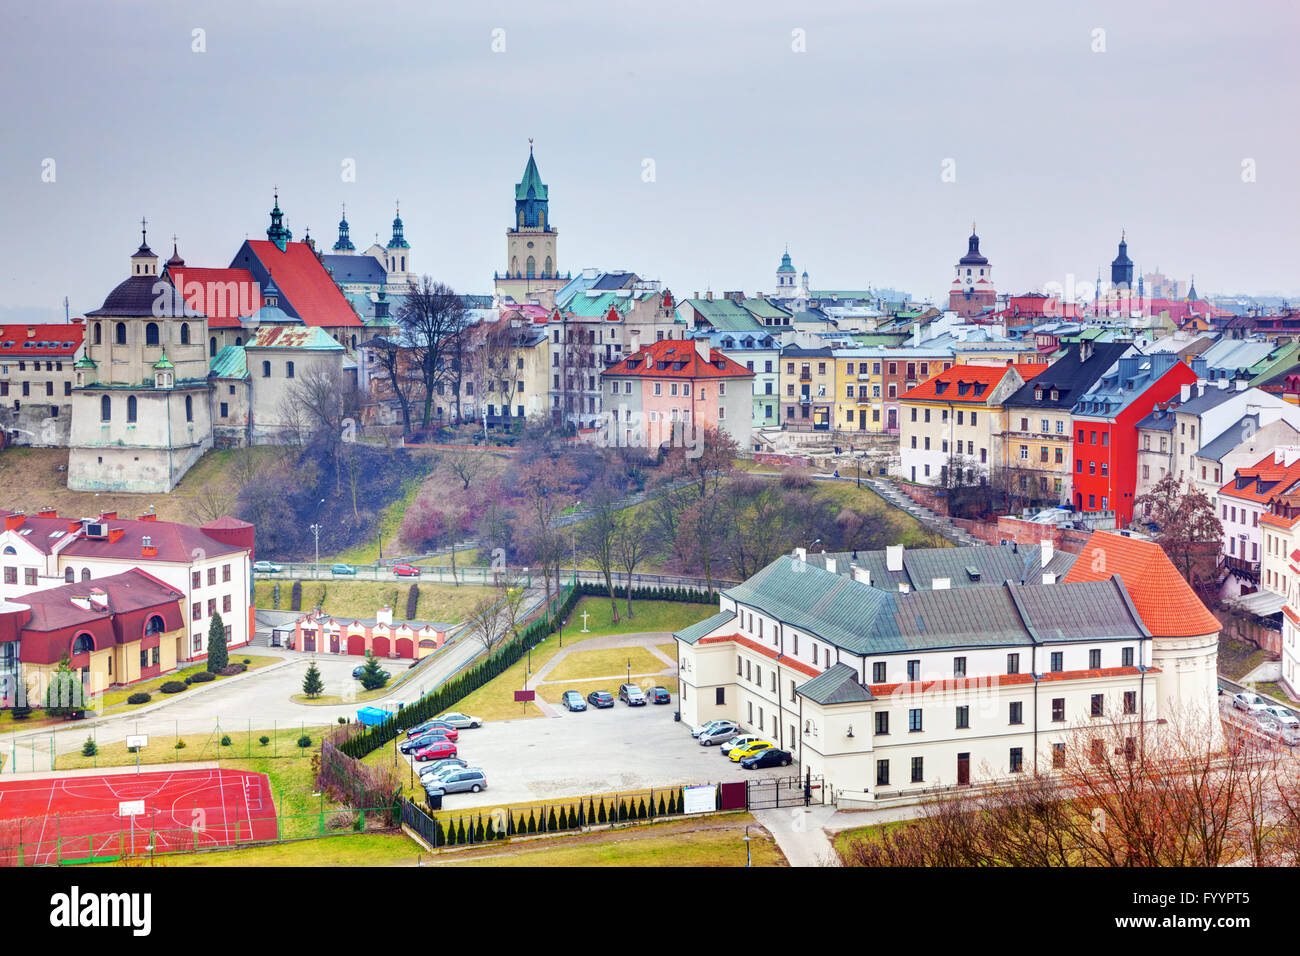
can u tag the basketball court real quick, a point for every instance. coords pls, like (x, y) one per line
(67, 819)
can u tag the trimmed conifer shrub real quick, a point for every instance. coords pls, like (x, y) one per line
(460, 832)
(295, 597)
(640, 809)
(412, 601)
(478, 831)
(532, 824)
(601, 816)
(662, 810)
(573, 818)
(140, 697)
(173, 687)
(89, 748)
(202, 677)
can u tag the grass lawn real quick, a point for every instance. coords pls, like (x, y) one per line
(360, 600)
(551, 692)
(666, 616)
(605, 663)
(840, 841)
(355, 849)
(119, 694)
(334, 700)
(390, 523)
(1238, 658)
(670, 649)
(162, 747)
(711, 841)
(1273, 688)
(901, 527)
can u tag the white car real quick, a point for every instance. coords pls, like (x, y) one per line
(744, 740)
(462, 721)
(1252, 703)
(1282, 716)
(702, 728)
(1271, 726)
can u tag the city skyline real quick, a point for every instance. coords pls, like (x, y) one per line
(809, 133)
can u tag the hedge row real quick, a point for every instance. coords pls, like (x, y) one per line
(443, 697)
(543, 820)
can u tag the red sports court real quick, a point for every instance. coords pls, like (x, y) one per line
(74, 818)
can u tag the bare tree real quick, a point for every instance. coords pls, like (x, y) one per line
(599, 534)
(432, 318)
(1188, 529)
(488, 625)
(466, 464)
(633, 543)
(392, 359)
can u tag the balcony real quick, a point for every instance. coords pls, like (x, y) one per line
(805, 376)
(1241, 564)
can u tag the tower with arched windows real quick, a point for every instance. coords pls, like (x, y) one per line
(141, 412)
(532, 265)
(972, 289)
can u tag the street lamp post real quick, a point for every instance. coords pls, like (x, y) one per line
(315, 568)
(749, 857)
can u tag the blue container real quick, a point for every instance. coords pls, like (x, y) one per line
(370, 716)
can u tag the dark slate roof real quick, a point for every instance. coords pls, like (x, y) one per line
(1160, 418)
(1070, 377)
(835, 685)
(136, 298)
(614, 280)
(696, 631)
(1102, 612)
(361, 268)
(1229, 438)
(1211, 397)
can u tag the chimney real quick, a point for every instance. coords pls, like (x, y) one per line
(47, 513)
(149, 515)
(894, 557)
(801, 554)
(384, 616)
(106, 515)
(1046, 557)
(14, 520)
(941, 584)
(1185, 392)
(830, 565)
(1242, 384)
(708, 296)
(1049, 577)
(115, 535)
(861, 574)
(633, 341)
(904, 587)
(75, 526)
(702, 348)
(147, 550)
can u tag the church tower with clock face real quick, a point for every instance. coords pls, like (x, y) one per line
(532, 266)
(972, 289)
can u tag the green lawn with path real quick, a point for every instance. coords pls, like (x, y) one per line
(118, 695)
(669, 616)
(606, 662)
(283, 743)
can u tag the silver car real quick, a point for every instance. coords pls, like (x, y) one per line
(457, 781)
(1281, 715)
(719, 734)
(461, 721)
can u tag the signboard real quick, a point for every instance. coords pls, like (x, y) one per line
(130, 808)
(137, 740)
(523, 696)
(699, 799)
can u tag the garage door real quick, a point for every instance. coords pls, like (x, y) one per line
(357, 644)
(405, 647)
(380, 646)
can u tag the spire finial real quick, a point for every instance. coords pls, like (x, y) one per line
(143, 223)
(345, 210)
(972, 226)
(530, 146)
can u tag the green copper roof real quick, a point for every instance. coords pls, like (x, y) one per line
(786, 265)
(163, 362)
(693, 633)
(230, 362)
(531, 178)
(85, 362)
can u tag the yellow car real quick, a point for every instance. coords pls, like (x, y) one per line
(739, 753)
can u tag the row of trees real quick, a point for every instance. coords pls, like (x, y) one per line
(1123, 795)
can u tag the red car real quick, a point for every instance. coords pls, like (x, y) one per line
(437, 751)
(406, 570)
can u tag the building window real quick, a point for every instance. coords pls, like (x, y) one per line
(1126, 657)
(959, 667)
(878, 672)
(105, 409)
(963, 717)
(266, 370)
(1058, 662)
(1058, 708)
(918, 771)
(1058, 756)
(212, 576)
(1016, 714)
(882, 773)
(720, 696)
(914, 720)
(196, 611)
(1098, 705)
(1013, 663)
(1017, 759)
(913, 671)
(225, 604)
(882, 722)
(1130, 702)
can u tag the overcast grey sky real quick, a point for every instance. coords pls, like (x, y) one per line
(837, 150)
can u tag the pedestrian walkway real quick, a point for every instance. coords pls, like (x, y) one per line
(938, 523)
(801, 834)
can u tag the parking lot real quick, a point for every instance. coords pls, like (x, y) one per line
(591, 752)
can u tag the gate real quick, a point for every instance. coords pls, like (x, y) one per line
(773, 792)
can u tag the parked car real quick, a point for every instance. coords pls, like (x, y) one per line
(768, 757)
(427, 726)
(424, 740)
(406, 571)
(1279, 731)
(266, 567)
(600, 699)
(573, 700)
(631, 695)
(339, 569)
(361, 669)
(471, 779)
(1249, 702)
(740, 753)
(440, 765)
(461, 721)
(436, 751)
(740, 740)
(659, 695)
(709, 725)
(1282, 716)
(720, 734)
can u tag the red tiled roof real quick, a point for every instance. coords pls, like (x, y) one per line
(303, 281)
(40, 531)
(946, 386)
(761, 649)
(131, 590)
(175, 543)
(1267, 480)
(1167, 604)
(223, 295)
(61, 340)
(1278, 520)
(676, 352)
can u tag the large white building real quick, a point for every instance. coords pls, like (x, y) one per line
(895, 673)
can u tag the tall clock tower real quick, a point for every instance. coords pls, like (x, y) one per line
(532, 266)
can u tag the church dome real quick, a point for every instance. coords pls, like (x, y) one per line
(137, 297)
